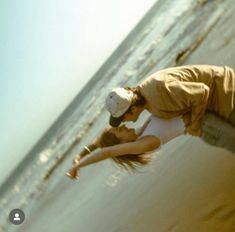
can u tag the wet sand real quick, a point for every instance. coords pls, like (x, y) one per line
(190, 186)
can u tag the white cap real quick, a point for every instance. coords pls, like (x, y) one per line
(118, 101)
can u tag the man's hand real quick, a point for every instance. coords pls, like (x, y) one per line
(187, 119)
(193, 131)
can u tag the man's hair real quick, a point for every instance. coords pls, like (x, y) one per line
(137, 100)
(129, 162)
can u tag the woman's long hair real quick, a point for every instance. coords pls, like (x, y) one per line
(129, 162)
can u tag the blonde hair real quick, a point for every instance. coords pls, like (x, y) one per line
(129, 162)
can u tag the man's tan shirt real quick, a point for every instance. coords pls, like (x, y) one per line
(189, 91)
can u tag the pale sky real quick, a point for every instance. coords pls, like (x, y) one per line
(48, 50)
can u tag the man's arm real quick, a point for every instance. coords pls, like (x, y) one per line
(191, 97)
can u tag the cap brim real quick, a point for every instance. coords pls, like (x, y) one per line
(115, 122)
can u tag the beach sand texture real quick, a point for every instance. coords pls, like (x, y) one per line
(189, 186)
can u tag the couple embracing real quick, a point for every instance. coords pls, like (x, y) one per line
(181, 100)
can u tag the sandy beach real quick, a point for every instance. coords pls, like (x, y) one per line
(189, 186)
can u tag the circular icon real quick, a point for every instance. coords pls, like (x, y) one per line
(16, 216)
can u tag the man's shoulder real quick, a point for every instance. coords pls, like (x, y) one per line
(158, 78)
(151, 82)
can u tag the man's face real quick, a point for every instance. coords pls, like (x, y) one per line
(133, 114)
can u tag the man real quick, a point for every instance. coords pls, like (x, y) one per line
(186, 90)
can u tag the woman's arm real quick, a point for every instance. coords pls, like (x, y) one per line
(73, 173)
(146, 143)
(139, 131)
(87, 150)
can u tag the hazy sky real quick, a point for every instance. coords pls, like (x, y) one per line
(48, 50)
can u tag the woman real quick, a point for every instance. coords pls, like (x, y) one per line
(128, 147)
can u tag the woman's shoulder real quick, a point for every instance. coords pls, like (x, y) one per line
(164, 129)
(156, 119)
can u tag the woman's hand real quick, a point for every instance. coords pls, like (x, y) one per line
(76, 159)
(74, 171)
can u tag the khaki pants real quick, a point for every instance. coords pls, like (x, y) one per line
(218, 132)
(232, 117)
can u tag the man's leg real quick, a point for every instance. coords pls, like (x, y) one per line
(231, 118)
(218, 132)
